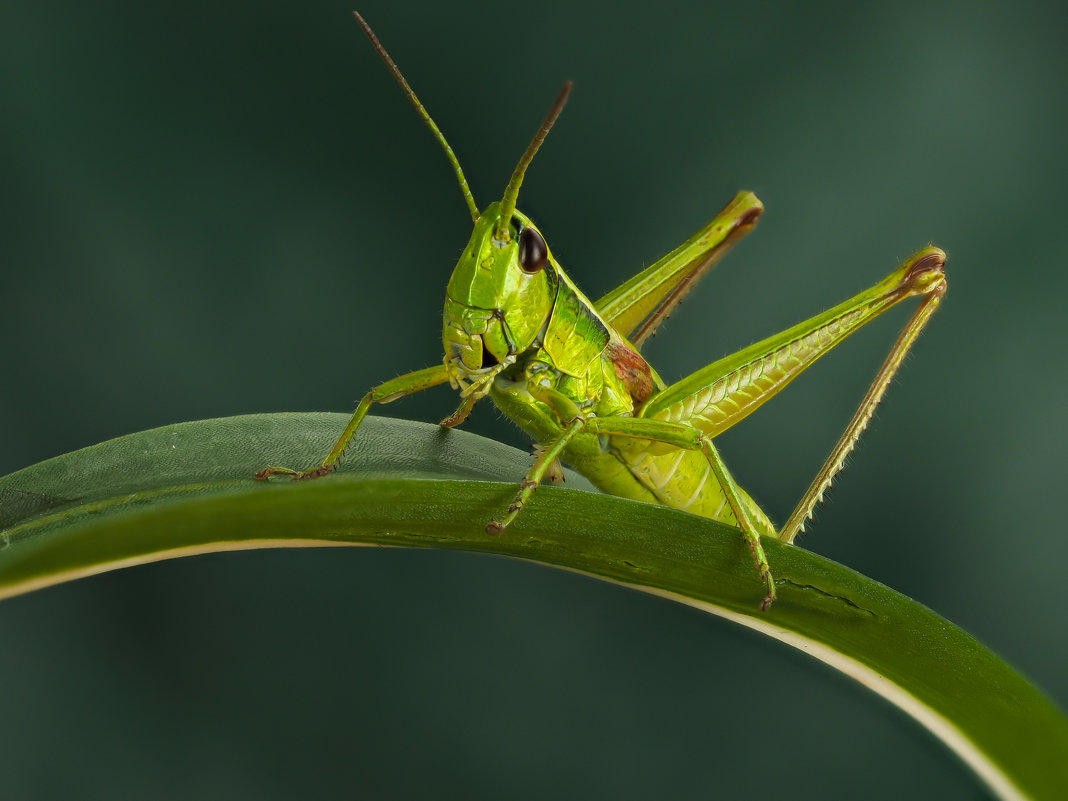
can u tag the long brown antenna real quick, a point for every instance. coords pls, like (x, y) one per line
(424, 114)
(511, 192)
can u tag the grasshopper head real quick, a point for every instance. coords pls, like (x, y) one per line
(502, 291)
(500, 295)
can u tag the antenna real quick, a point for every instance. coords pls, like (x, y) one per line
(470, 200)
(511, 192)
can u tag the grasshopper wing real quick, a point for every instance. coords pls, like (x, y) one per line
(636, 308)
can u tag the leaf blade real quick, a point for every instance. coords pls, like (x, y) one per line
(187, 489)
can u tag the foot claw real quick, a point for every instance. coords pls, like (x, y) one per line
(494, 527)
(295, 475)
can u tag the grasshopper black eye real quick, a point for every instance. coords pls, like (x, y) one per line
(533, 252)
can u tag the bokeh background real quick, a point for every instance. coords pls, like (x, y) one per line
(215, 209)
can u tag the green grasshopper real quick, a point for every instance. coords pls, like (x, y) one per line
(570, 373)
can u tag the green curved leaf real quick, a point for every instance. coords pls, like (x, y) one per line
(187, 489)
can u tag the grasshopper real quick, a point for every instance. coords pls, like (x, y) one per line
(570, 372)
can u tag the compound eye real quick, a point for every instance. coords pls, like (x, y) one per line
(533, 252)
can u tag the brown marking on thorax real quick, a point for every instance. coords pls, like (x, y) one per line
(632, 370)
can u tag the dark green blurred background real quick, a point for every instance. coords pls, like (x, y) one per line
(211, 211)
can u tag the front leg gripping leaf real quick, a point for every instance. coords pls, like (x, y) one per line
(383, 393)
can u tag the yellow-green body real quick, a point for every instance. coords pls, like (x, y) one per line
(507, 332)
(570, 373)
